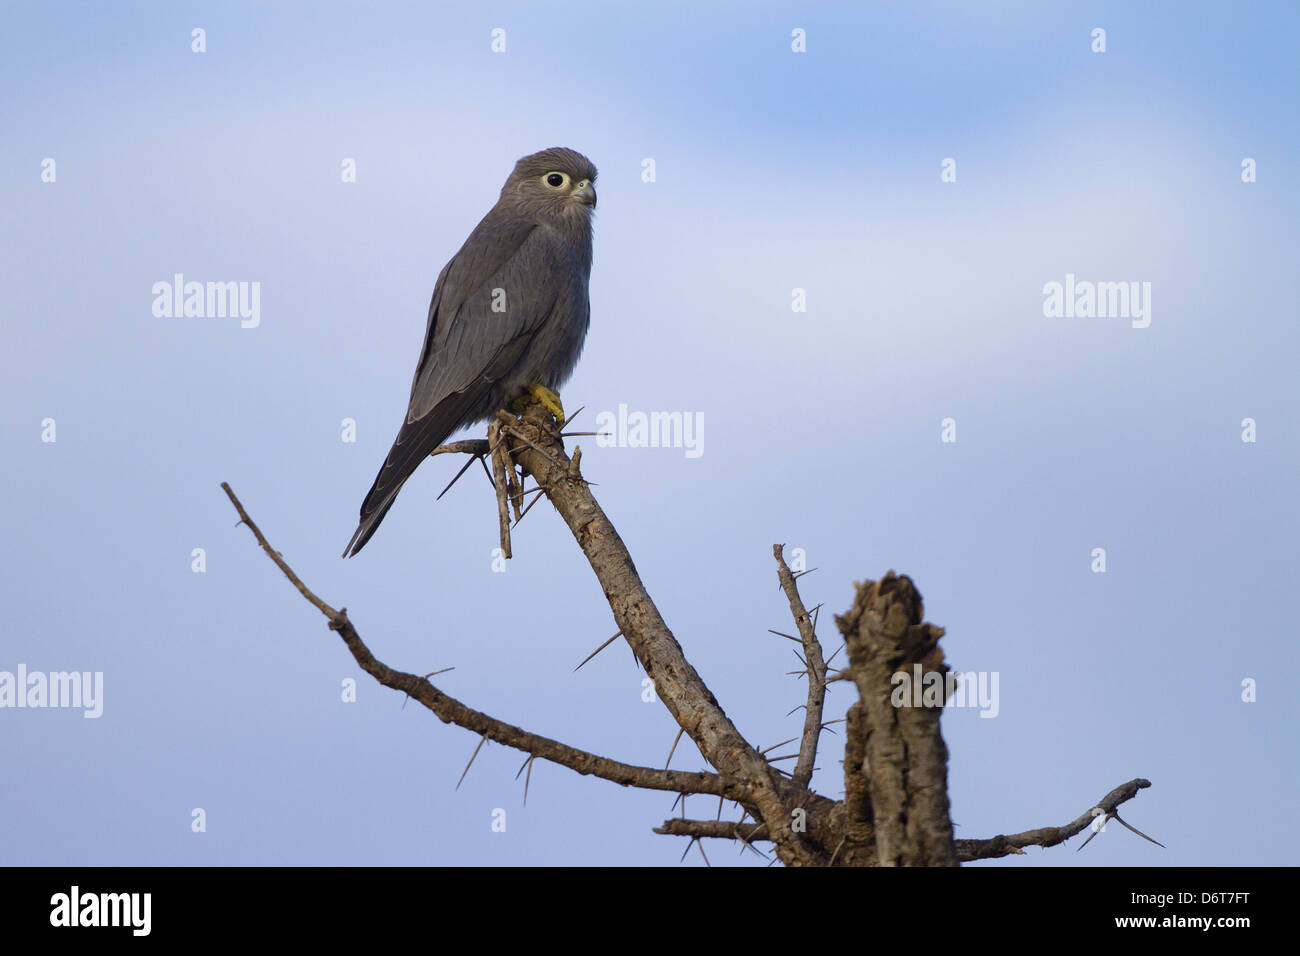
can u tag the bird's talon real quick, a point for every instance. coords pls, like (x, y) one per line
(543, 396)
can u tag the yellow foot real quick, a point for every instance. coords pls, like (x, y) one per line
(542, 396)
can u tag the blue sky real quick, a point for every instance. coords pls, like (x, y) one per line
(775, 170)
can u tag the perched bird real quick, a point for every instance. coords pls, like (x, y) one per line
(507, 320)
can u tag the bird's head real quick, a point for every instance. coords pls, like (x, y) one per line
(556, 182)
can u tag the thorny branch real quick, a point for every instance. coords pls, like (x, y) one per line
(895, 805)
(816, 667)
(501, 464)
(1000, 845)
(452, 711)
(967, 850)
(535, 446)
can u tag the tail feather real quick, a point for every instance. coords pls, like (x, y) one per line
(367, 528)
(414, 442)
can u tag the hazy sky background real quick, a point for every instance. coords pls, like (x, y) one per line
(775, 171)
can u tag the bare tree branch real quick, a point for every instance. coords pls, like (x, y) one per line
(1001, 845)
(471, 448)
(500, 463)
(677, 683)
(452, 711)
(895, 808)
(812, 718)
(478, 447)
(716, 829)
(967, 850)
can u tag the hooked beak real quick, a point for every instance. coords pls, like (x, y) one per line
(586, 195)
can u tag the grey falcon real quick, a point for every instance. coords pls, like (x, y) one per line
(507, 321)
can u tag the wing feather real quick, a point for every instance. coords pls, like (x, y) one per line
(469, 344)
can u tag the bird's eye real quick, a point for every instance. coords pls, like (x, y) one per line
(556, 180)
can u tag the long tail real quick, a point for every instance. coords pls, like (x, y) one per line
(368, 526)
(414, 442)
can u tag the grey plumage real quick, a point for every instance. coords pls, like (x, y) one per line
(530, 256)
